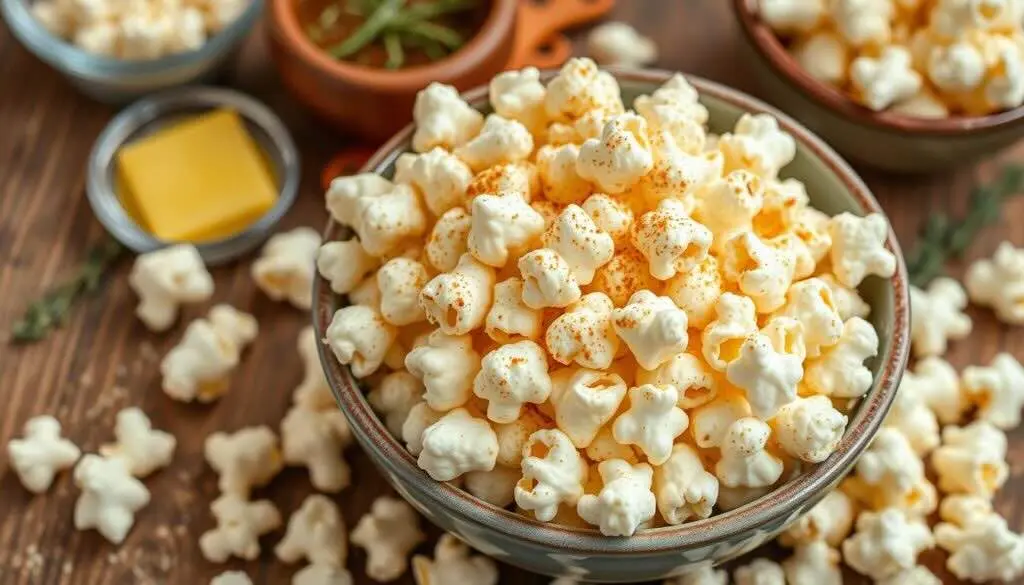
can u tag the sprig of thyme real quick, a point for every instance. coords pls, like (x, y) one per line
(52, 309)
(943, 238)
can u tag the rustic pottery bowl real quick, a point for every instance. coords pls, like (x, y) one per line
(375, 103)
(659, 552)
(884, 140)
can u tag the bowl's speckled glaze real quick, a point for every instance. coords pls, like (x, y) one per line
(884, 140)
(660, 552)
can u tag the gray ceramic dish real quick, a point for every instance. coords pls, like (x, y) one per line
(885, 140)
(659, 552)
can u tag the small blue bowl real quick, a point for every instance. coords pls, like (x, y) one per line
(117, 80)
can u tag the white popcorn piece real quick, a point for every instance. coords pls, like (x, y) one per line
(605, 447)
(971, 459)
(745, 462)
(885, 80)
(618, 43)
(286, 266)
(823, 55)
(786, 336)
(997, 390)
(722, 339)
(345, 264)
(810, 302)
(912, 416)
(985, 551)
(198, 367)
(700, 574)
(673, 107)
(919, 575)
(345, 192)
(421, 416)
(143, 36)
(514, 435)
(110, 497)
(322, 575)
(939, 386)
(521, 178)
(890, 462)
(500, 141)
(231, 578)
(690, 376)
(959, 67)
(670, 240)
(100, 38)
(809, 428)
(519, 95)
(509, 318)
(240, 523)
(443, 119)
(768, 377)
(315, 440)
(584, 401)
(625, 501)
(683, 488)
(188, 32)
(547, 280)
(678, 139)
(458, 301)
(584, 333)
(652, 422)
(388, 221)
(453, 563)
(166, 279)
(728, 205)
(653, 327)
(829, 521)
(610, 215)
(42, 452)
(886, 543)
(400, 281)
(815, 563)
(1005, 88)
(762, 272)
(316, 533)
(858, 248)
(553, 474)
(556, 169)
(847, 301)
(757, 144)
(581, 87)
(620, 157)
(840, 372)
(313, 392)
(447, 366)
(359, 337)
(456, 444)
(496, 487)
(509, 377)
(447, 240)
(760, 572)
(937, 316)
(142, 448)
(441, 178)
(244, 460)
(999, 283)
(393, 397)
(502, 226)
(864, 22)
(575, 237)
(388, 533)
(696, 291)
(710, 422)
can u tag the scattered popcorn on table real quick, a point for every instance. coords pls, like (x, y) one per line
(997, 390)
(830, 520)
(142, 448)
(999, 283)
(322, 575)
(198, 367)
(231, 578)
(316, 533)
(886, 543)
(453, 563)
(166, 279)
(983, 550)
(937, 316)
(315, 440)
(245, 459)
(110, 497)
(760, 572)
(388, 533)
(42, 452)
(814, 563)
(240, 523)
(286, 266)
(971, 459)
(618, 43)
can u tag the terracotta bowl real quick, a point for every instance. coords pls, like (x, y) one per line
(374, 103)
(659, 552)
(884, 140)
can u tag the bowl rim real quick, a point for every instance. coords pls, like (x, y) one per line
(724, 527)
(771, 50)
(495, 30)
(64, 55)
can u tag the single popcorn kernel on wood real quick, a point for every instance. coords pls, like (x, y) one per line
(164, 280)
(937, 316)
(142, 448)
(452, 564)
(198, 367)
(618, 43)
(240, 523)
(38, 457)
(286, 266)
(388, 533)
(998, 283)
(244, 460)
(110, 497)
(315, 440)
(316, 533)
(997, 390)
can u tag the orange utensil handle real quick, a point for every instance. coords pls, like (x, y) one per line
(540, 22)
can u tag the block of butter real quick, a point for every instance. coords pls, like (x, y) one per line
(199, 180)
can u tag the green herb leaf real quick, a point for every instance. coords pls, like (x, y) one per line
(53, 308)
(371, 28)
(943, 238)
(393, 46)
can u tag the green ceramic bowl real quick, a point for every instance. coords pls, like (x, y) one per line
(660, 552)
(883, 140)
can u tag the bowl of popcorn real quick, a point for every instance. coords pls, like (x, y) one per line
(116, 51)
(606, 342)
(906, 86)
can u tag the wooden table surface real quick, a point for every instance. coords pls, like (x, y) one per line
(104, 359)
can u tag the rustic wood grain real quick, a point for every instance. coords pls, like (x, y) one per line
(104, 359)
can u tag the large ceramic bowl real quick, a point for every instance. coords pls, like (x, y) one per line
(659, 552)
(885, 140)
